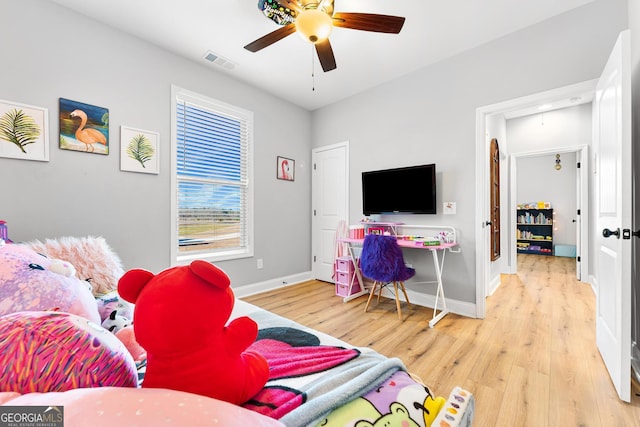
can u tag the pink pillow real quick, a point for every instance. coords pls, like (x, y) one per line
(52, 351)
(6, 396)
(144, 407)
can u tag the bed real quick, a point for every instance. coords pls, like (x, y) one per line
(318, 380)
(315, 380)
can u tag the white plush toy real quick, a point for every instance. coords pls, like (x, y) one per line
(115, 322)
(62, 267)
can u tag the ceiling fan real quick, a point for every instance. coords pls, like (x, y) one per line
(313, 20)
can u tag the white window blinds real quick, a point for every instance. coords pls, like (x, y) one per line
(212, 147)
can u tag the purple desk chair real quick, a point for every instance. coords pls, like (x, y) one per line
(381, 260)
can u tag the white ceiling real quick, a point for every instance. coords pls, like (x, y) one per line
(433, 30)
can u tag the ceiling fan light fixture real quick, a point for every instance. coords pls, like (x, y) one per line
(313, 25)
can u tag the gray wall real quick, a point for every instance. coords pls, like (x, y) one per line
(429, 115)
(539, 181)
(49, 52)
(566, 127)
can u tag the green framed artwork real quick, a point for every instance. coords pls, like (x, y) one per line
(24, 131)
(139, 150)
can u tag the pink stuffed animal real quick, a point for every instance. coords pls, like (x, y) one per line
(28, 283)
(128, 337)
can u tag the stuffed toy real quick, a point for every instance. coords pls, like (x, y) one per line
(48, 351)
(115, 321)
(181, 317)
(28, 283)
(127, 336)
(92, 257)
(112, 301)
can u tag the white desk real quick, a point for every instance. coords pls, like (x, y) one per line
(438, 263)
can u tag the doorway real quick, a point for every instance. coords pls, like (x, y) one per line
(486, 271)
(571, 213)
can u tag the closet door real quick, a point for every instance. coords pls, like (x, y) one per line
(330, 205)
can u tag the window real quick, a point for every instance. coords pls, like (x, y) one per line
(211, 186)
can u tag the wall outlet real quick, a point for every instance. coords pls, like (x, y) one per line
(260, 263)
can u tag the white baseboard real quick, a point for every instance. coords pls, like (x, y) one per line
(593, 282)
(426, 300)
(462, 308)
(269, 285)
(494, 285)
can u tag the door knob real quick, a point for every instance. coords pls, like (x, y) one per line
(487, 223)
(606, 232)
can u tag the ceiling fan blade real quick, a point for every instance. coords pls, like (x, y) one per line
(368, 22)
(271, 38)
(325, 55)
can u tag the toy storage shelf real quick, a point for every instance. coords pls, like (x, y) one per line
(534, 231)
(347, 282)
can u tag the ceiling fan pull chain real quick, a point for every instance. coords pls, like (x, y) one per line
(313, 70)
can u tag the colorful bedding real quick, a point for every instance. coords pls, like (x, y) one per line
(318, 380)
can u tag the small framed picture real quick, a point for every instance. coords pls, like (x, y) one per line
(84, 127)
(24, 131)
(286, 169)
(139, 150)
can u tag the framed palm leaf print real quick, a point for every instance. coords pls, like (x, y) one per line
(139, 150)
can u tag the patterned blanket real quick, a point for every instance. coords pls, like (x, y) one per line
(318, 380)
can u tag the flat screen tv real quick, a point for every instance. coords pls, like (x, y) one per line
(410, 190)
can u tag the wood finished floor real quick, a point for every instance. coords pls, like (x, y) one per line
(531, 362)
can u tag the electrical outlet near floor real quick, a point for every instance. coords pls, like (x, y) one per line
(260, 263)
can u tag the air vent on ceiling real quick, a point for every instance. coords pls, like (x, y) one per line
(219, 60)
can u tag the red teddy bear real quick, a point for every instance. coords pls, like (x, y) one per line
(179, 318)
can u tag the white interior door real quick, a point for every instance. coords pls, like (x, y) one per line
(578, 215)
(612, 149)
(330, 205)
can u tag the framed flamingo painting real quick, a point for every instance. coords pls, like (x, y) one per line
(84, 127)
(286, 169)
